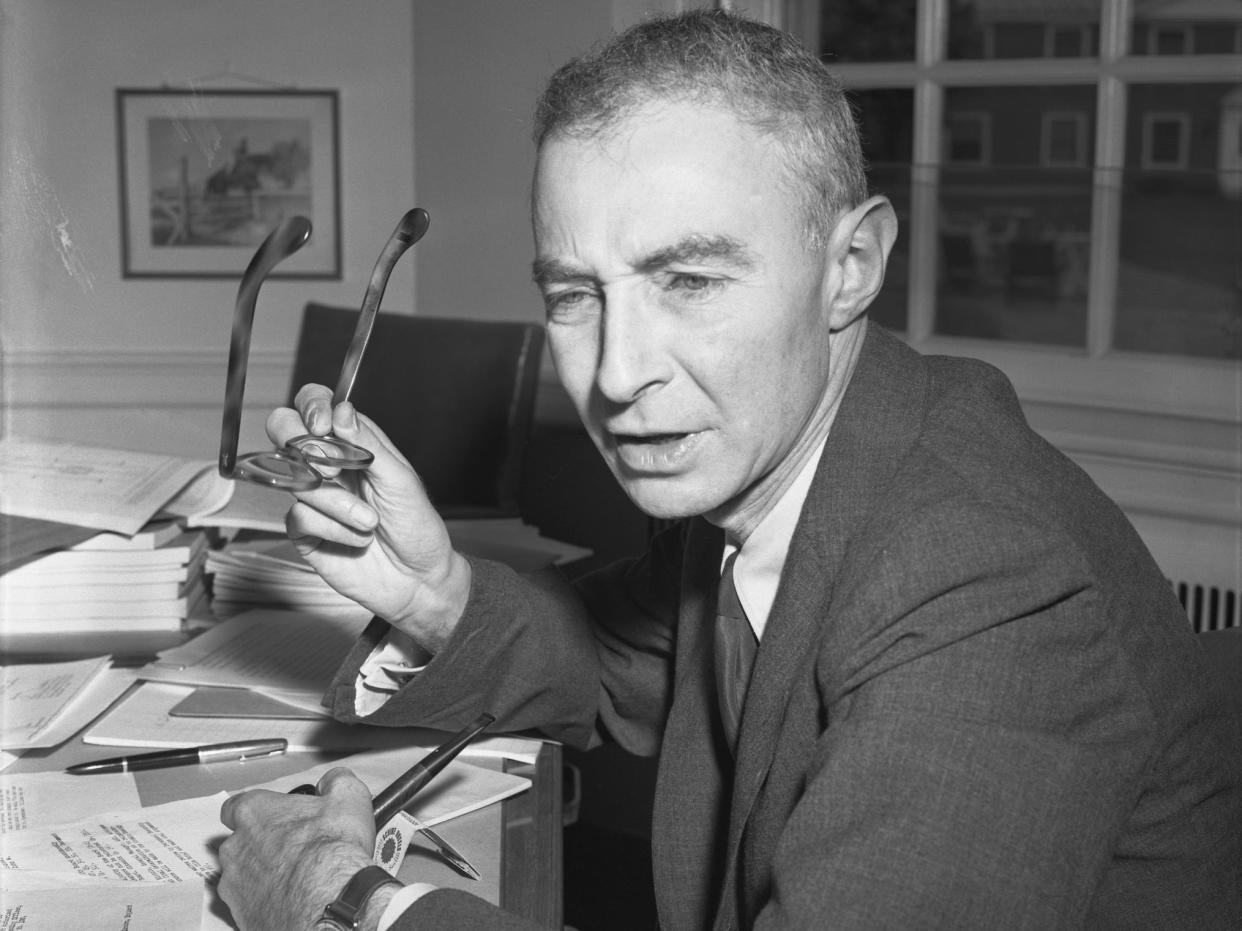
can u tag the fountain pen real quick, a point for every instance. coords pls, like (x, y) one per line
(237, 750)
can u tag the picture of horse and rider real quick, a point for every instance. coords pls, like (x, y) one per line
(226, 182)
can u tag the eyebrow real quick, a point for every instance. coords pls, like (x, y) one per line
(690, 249)
(698, 248)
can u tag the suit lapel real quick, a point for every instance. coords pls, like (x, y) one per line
(877, 421)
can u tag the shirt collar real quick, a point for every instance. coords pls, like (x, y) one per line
(757, 569)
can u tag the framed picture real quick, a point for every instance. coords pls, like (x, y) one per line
(206, 175)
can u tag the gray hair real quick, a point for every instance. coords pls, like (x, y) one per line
(711, 57)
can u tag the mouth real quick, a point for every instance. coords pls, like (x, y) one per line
(654, 451)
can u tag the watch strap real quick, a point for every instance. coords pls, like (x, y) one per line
(343, 911)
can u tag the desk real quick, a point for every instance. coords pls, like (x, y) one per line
(524, 830)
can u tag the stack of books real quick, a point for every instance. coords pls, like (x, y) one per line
(150, 580)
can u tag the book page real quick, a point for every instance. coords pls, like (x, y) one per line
(107, 489)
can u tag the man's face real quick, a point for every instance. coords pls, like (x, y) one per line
(686, 311)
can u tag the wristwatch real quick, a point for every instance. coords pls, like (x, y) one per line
(342, 913)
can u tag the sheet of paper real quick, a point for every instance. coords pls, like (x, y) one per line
(41, 901)
(107, 489)
(283, 651)
(164, 843)
(32, 800)
(143, 719)
(458, 790)
(39, 698)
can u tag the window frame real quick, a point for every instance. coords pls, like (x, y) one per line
(1096, 375)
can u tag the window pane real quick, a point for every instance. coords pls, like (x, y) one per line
(867, 30)
(1186, 29)
(1015, 229)
(1180, 276)
(1024, 29)
(886, 122)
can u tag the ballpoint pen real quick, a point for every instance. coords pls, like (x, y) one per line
(236, 751)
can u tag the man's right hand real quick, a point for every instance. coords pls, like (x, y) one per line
(374, 538)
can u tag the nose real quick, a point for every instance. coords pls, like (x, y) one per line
(631, 359)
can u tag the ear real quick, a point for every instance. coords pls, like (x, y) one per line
(858, 250)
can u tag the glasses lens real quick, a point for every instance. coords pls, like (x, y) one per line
(330, 451)
(278, 470)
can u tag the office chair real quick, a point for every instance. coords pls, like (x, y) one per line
(455, 396)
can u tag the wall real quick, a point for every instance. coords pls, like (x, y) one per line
(436, 97)
(140, 363)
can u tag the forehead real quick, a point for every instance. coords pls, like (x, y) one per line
(665, 170)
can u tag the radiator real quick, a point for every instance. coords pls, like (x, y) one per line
(1209, 607)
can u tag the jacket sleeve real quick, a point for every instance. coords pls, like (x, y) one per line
(577, 662)
(452, 910)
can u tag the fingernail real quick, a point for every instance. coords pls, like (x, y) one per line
(316, 421)
(351, 417)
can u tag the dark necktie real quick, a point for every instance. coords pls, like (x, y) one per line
(736, 646)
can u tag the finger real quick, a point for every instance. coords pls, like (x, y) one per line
(283, 424)
(228, 811)
(351, 522)
(390, 469)
(314, 403)
(342, 786)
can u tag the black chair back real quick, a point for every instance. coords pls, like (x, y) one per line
(456, 396)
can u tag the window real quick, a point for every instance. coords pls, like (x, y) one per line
(1072, 186)
(1063, 141)
(968, 138)
(1077, 41)
(1164, 140)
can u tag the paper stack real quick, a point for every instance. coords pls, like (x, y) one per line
(257, 570)
(151, 580)
(261, 570)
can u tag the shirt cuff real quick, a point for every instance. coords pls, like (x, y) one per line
(392, 664)
(402, 899)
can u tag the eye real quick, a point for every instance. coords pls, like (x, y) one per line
(692, 285)
(572, 301)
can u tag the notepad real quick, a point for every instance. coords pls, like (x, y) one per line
(144, 719)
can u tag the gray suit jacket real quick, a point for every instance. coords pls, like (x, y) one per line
(976, 704)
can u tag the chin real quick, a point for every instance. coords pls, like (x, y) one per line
(670, 499)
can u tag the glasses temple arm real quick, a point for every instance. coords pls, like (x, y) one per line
(409, 231)
(285, 240)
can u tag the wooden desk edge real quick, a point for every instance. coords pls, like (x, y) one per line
(531, 856)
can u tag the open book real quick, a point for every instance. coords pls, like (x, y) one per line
(121, 490)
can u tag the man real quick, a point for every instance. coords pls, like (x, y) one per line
(956, 692)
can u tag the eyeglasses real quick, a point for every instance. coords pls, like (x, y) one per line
(292, 467)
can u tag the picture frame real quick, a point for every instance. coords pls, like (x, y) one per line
(205, 175)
